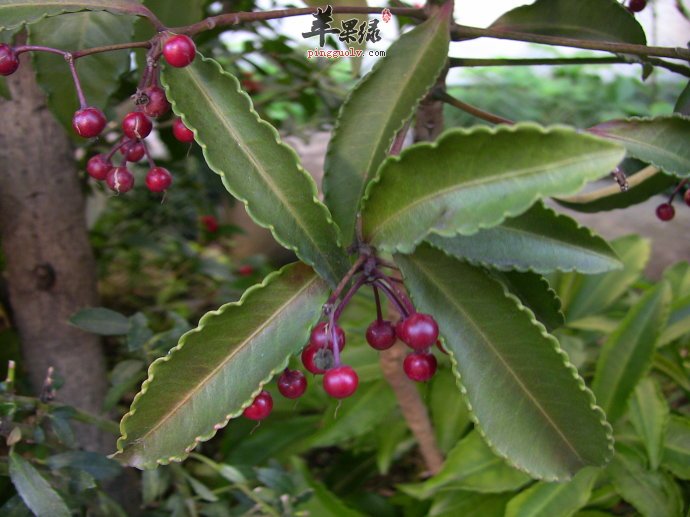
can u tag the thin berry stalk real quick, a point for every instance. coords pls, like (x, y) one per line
(377, 297)
(392, 297)
(77, 83)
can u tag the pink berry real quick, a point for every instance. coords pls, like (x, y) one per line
(182, 132)
(308, 359)
(120, 180)
(260, 408)
(292, 384)
(420, 366)
(665, 211)
(636, 6)
(321, 336)
(157, 103)
(210, 223)
(89, 122)
(9, 61)
(136, 125)
(133, 151)
(158, 179)
(340, 382)
(418, 331)
(179, 50)
(381, 335)
(98, 167)
(245, 270)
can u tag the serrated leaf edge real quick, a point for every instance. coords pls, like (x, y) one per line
(409, 248)
(152, 372)
(310, 180)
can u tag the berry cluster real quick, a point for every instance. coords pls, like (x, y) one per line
(150, 103)
(665, 211)
(321, 356)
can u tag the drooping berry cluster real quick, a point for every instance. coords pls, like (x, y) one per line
(321, 355)
(150, 103)
(666, 211)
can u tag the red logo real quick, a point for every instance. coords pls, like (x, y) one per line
(386, 15)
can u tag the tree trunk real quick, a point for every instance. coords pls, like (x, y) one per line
(50, 268)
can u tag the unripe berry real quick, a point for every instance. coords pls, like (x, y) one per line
(418, 331)
(309, 359)
(133, 151)
(260, 408)
(158, 179)
(136, 125)
(420, 366)
(179, 50)
(120, 180)
(98, 167)
(245, 270)
(9, 61)
(182, 132)
(381, 335)
(340, 382)
(292, 384)
(89, 122)
(210, 223)
(636, 6)
(665, 211)
(157, 104)
(321, 335)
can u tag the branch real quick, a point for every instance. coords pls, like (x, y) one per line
(472, 110)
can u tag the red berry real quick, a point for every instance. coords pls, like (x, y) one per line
(210, 223)
(9, 61)
(686, 197)
(120, 180)
(98, 167)
(182, 132)
(321, 335)
(260, 408)
(340, 382)
(245, 270)
(636, 6)
(136, 125)
(179, 50)
(418, 331)
(89, 122)
(420, 366)
(156, 104)
(292, 384)
(158, 179)
(381, 335)
(665, 211)
(133, 151)
(308, 359)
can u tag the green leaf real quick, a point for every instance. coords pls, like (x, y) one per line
(218, 368)
(101, 321)
(654, 494)
(672, 367)
(676, 456)
(627, 354)
(585, 295)
(471, 465)
(449, 415)
(539, 240)
(517, 381)
(476, 178)
(376, 109)
(600, 20)
(649, 415)
(34, 490)
(99, 73)
(14, 13)
(535, 293)
(659, 141)
(469, 504)
(94, 463)
(683, 103)
(554, 499)
(678, 321)
(256, 167)
(323, 502)
(678, 275)
(643, 185)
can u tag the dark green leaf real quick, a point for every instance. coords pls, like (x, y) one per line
(627, 354)
(676, 456)
(678, 276)
(516, 379)
(649, 415)
(469, 504)
(449, 414)
(601, 20)
(34, 490)
(323, 502)
(539, 240)
(102, 321)
(256, 167)
(682, 106)
(218, 368)
(94, 463)
(678, 321)
(139, 332)
(376, 109)
(474, 179)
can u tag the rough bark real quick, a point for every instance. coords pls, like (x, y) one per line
(50, 269)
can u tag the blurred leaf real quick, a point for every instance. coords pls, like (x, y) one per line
(323, 502)
(678, 276)
(101, 321)
(683, 103)
(392, 440)
(678, 321)
(34, 490)
(94, 463)
(473, 179)
(449, 413)
(15, 507)
(204, 493)
(673, 368)
(139, 332)
(649, 414)
(502, 359)
(676, 453)
(469, 504)
(154, 483)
